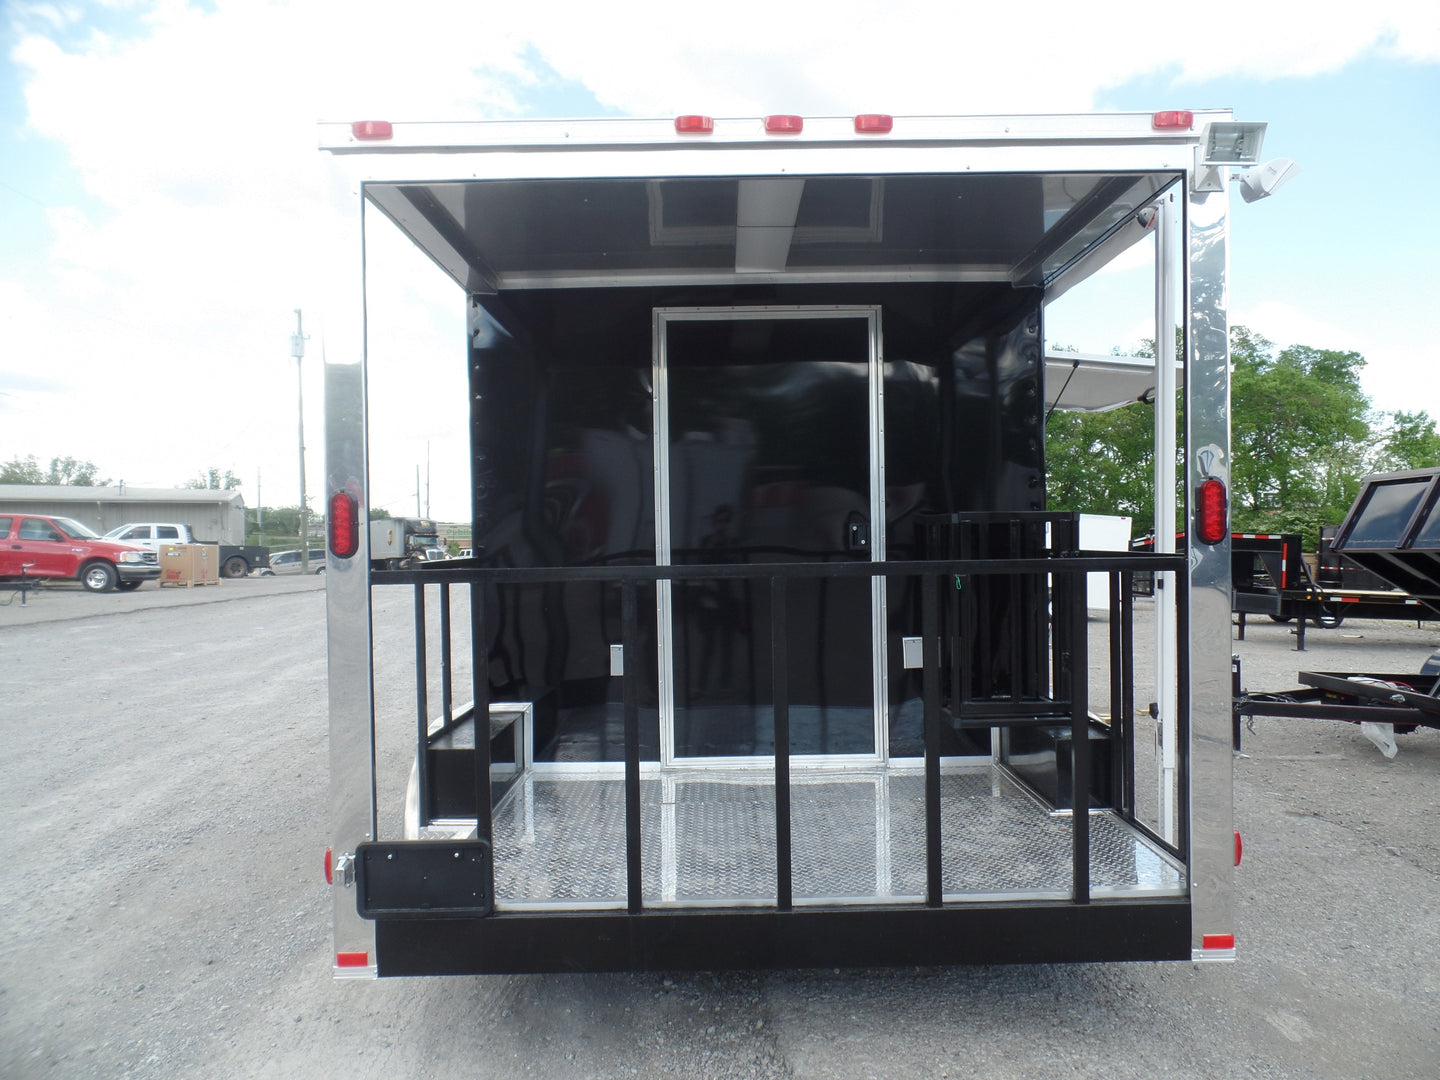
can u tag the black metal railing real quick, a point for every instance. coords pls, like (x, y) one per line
(1069, 631)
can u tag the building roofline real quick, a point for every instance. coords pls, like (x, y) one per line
(121, 493)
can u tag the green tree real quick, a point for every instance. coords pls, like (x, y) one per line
(1103, 463)
(212, 479)
(63, 470)
(21, 471)
(1406, 440)
(1300, 435)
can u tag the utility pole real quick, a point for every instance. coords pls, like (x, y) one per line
(417, 491)
(297, 350)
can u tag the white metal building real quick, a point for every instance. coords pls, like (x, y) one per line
(213, 515)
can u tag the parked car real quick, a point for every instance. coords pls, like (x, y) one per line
(288, 562)
(36, 546)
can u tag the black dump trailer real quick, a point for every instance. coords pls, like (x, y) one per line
(1270, 576)
(1393, 532)
(771, 652)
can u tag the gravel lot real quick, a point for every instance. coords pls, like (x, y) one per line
(164, 912)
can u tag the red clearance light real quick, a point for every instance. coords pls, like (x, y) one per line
(372, 129)
(344, 519)
(1211, 512)
(329, 869)
(1239, 847)
(1218, 941)
(352, 959)
(1177, 118)
(694, 125)
(873, 124)
(784, 125)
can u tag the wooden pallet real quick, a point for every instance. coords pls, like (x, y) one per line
(185, 584)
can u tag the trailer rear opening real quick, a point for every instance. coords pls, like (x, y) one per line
(771, 651)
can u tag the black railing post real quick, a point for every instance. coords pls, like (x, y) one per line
(480, 714)
(447, 695)
(422, 708)
(780, 675)
(1117, 693)
(1072, 588)
(930, 653)
(1127, 681)
(630, 664)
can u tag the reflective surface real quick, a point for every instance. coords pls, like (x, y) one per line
(1012, 227)
(768, 440)
(768, 457)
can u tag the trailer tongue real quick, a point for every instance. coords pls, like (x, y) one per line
(775, 654)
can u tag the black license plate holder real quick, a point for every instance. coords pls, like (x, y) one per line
(424, 879)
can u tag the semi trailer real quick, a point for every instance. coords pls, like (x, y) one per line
(770, 651)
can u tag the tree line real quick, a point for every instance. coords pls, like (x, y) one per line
(1303, 435)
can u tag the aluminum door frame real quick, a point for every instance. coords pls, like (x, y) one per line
(660, 404)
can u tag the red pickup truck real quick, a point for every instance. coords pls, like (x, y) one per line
(36, 546)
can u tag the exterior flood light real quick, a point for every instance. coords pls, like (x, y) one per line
(1233, 143)
(1263, 180)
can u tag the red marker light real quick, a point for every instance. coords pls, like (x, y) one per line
(1211, 511)
(1218, 941)
(352, 959)
(1175, 119)
(694, 125)
(873, 124)
(329, 868)
(344, 524)
(370, 130)
(784, 125)
(1239, 847)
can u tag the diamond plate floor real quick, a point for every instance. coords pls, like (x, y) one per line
(708, 838)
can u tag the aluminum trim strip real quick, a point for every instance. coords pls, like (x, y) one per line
(349, 669)
(1207, 441)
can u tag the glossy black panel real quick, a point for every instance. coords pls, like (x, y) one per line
(963, 434)
(769, 462)
(563, 467)
(1017, 226)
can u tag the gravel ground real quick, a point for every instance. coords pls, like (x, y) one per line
(164, 915)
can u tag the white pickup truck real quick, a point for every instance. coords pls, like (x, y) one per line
(236, 560)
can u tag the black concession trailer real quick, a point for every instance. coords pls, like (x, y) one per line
(771, 652)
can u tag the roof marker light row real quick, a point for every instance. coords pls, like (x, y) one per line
(776, 124)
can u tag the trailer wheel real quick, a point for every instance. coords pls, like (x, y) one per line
(99, 577)
(1280, 618)
(234, 567)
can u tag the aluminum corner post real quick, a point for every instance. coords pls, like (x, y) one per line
(1167, 678)
(347, 610)
(1207, 454)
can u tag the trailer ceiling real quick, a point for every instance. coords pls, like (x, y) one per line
(1021, 228)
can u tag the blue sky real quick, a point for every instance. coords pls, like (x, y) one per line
(161, 196)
